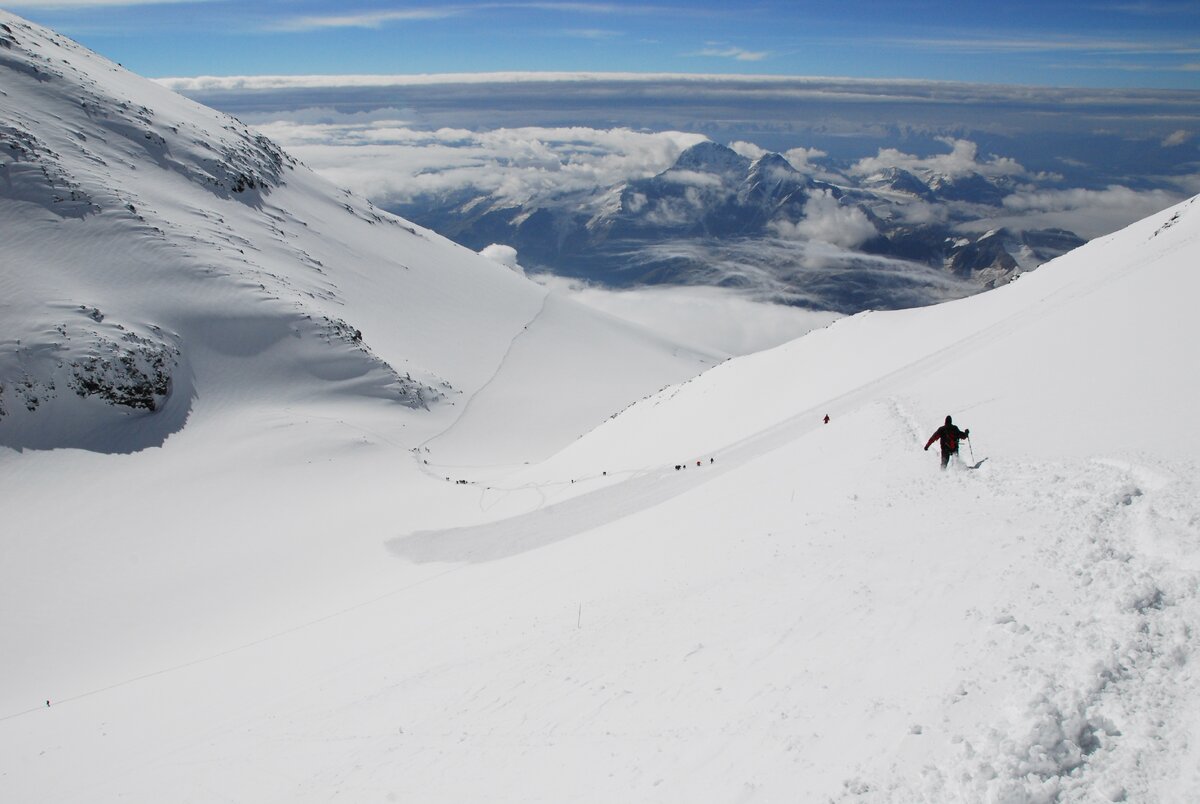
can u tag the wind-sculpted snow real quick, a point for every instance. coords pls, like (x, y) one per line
(229, 159)
(231, 162)
(32, 172)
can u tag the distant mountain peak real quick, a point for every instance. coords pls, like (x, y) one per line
(772, 179)
(712, 157)
(773, 163)
(901, 181)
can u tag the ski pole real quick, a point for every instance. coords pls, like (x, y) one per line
(972, 448)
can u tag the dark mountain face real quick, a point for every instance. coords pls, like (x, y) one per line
(973, 188)
(711, 157)
(716, 217)
(711, 191)
(901, 181)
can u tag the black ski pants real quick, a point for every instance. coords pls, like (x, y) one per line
(946, 453)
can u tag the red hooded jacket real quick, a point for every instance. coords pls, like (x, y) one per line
(949, 435)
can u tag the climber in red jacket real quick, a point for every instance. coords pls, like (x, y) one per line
(949, 435)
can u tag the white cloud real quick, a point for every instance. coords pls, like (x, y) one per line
(747, 149)
(1058, 44)
(203, 83)
(736, 53)
(916, 212)
(962, 160)
(1088, 213)
(329, 116)
(719, 319)
(619, 9)
(1176, 138)
(1188, 185)
(635, 202)
(809, 273)
(389, 161)
(975, 103)
(693, 178)
(374, 19)
(1157, 8)
(504, 255)
(799, 158)
(671, 212)
(828, 221)
(596, 34)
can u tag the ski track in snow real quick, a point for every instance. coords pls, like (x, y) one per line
(1083, 681)
(1086, 686)
(731, 455)
(500, 364)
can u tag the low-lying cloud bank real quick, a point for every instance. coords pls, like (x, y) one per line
(393, 163)
(1107, 133)
(810, 274)
(963, 160)
(717, 319)
(1085, 160)
(1090, 213)
(827, 221)
(381, 156)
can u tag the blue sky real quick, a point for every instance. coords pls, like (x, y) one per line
(1113, 43)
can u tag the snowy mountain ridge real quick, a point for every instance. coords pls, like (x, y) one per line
(85, 167)
(143, 231)
(880, 241)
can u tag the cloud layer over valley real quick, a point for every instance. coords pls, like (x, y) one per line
(447, 151)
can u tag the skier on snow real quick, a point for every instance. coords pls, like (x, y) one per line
(949, 435)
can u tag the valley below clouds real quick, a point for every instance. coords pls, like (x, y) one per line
(895, 186)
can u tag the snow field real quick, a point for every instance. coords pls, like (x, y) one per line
(273, 589)
(869, 630)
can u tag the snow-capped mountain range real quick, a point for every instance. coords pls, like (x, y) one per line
(718, 217)
(303, 502)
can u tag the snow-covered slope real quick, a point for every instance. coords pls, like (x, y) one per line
(158, 255)
(287, 603)
(1093, 357)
